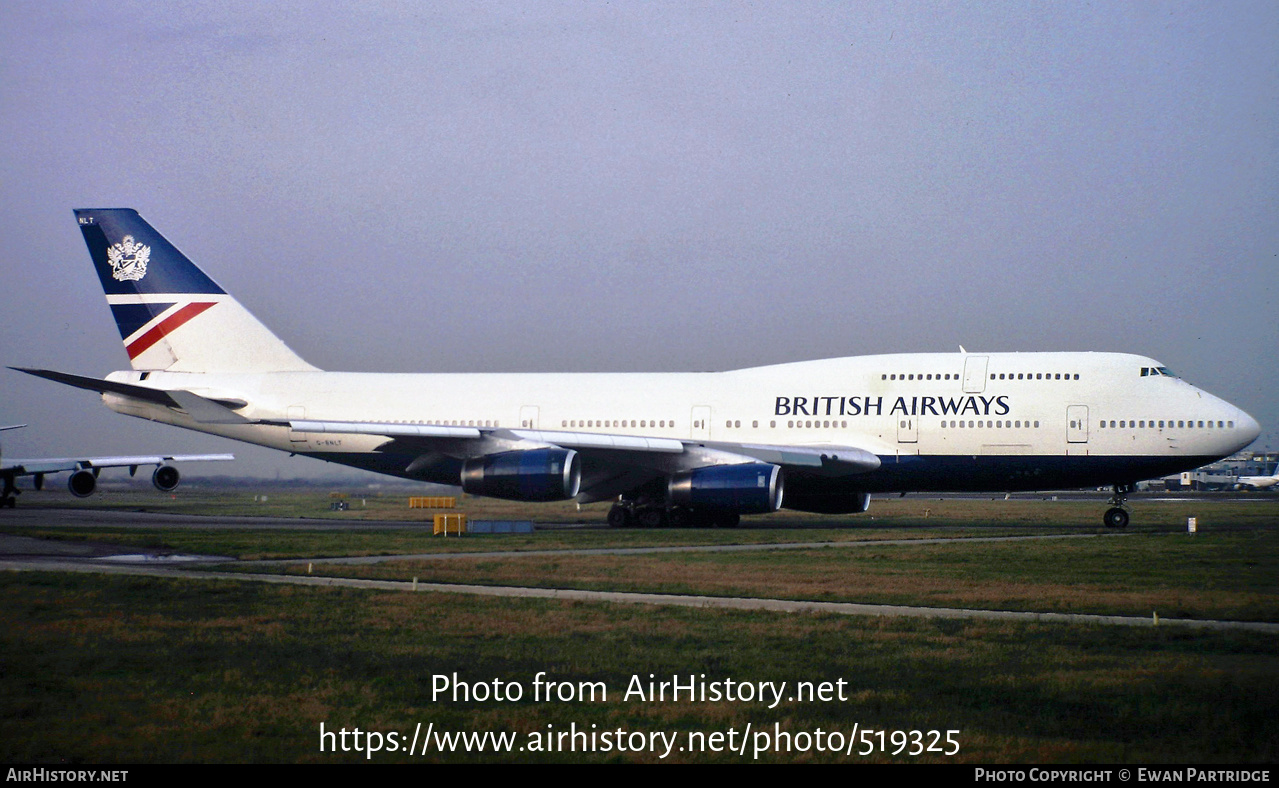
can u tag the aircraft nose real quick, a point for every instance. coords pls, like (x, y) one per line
(1249, 427)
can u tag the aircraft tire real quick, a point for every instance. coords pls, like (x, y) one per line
(619, 517)
(1116, 518)
(683, 518)
(652, 518)
(727, 519)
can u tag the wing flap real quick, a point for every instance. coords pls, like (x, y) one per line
(590, 440)
(831, 460)
(389, 429)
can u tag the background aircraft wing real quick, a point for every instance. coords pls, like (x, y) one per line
(56, 464)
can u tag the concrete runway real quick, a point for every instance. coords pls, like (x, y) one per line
(33, 517)
(19, 548)
(22, 553)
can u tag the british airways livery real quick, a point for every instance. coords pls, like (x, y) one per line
(669, 448)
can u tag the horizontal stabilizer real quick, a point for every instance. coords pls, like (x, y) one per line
(202, 409)
(103, 386)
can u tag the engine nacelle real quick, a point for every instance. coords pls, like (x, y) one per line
(166, 478)
(530, 475)
(803, 499)
(750, 488)
(82, 483)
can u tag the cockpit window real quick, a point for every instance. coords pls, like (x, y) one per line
(1148, 371)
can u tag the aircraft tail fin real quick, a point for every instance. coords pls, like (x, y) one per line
(12, 427)
(171, 315)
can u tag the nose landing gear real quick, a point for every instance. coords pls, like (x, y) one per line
(1117, 516)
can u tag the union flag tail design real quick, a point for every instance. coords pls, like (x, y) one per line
(171, 315)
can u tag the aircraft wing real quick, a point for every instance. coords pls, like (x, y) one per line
(611, 463)
(56, 464)
(84, 470)
(835, 460)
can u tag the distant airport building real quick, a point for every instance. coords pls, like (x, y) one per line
(1223, 474)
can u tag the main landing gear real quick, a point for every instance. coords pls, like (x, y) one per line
(9, 495)
(1117, 516)
(628, 514)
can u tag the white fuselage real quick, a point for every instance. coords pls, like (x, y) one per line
(937, 421)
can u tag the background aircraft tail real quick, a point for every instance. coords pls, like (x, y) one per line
(171, 315)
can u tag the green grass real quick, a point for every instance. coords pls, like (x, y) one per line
(107, 669)
(910, 512)
(892, 518)
(1208, 576)
(253, 545)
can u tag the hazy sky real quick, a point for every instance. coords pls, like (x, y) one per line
(646, 186)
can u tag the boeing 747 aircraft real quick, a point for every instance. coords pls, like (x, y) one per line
(677, 448)
(84, 471)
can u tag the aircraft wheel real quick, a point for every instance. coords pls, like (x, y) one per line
(1116, 518)
(619, 517)
(652, 518)
(727, 519)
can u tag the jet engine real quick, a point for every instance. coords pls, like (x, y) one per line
(750, 488)
(529, 475)
(166, 478)
(82, 483)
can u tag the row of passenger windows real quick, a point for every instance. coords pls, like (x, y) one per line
(733, 424)
(993, 376)
(827, 424)
(918, 377)
(455, 423)
(794, 425)
(1179, 424)
(619, 423)
(1037, 376)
